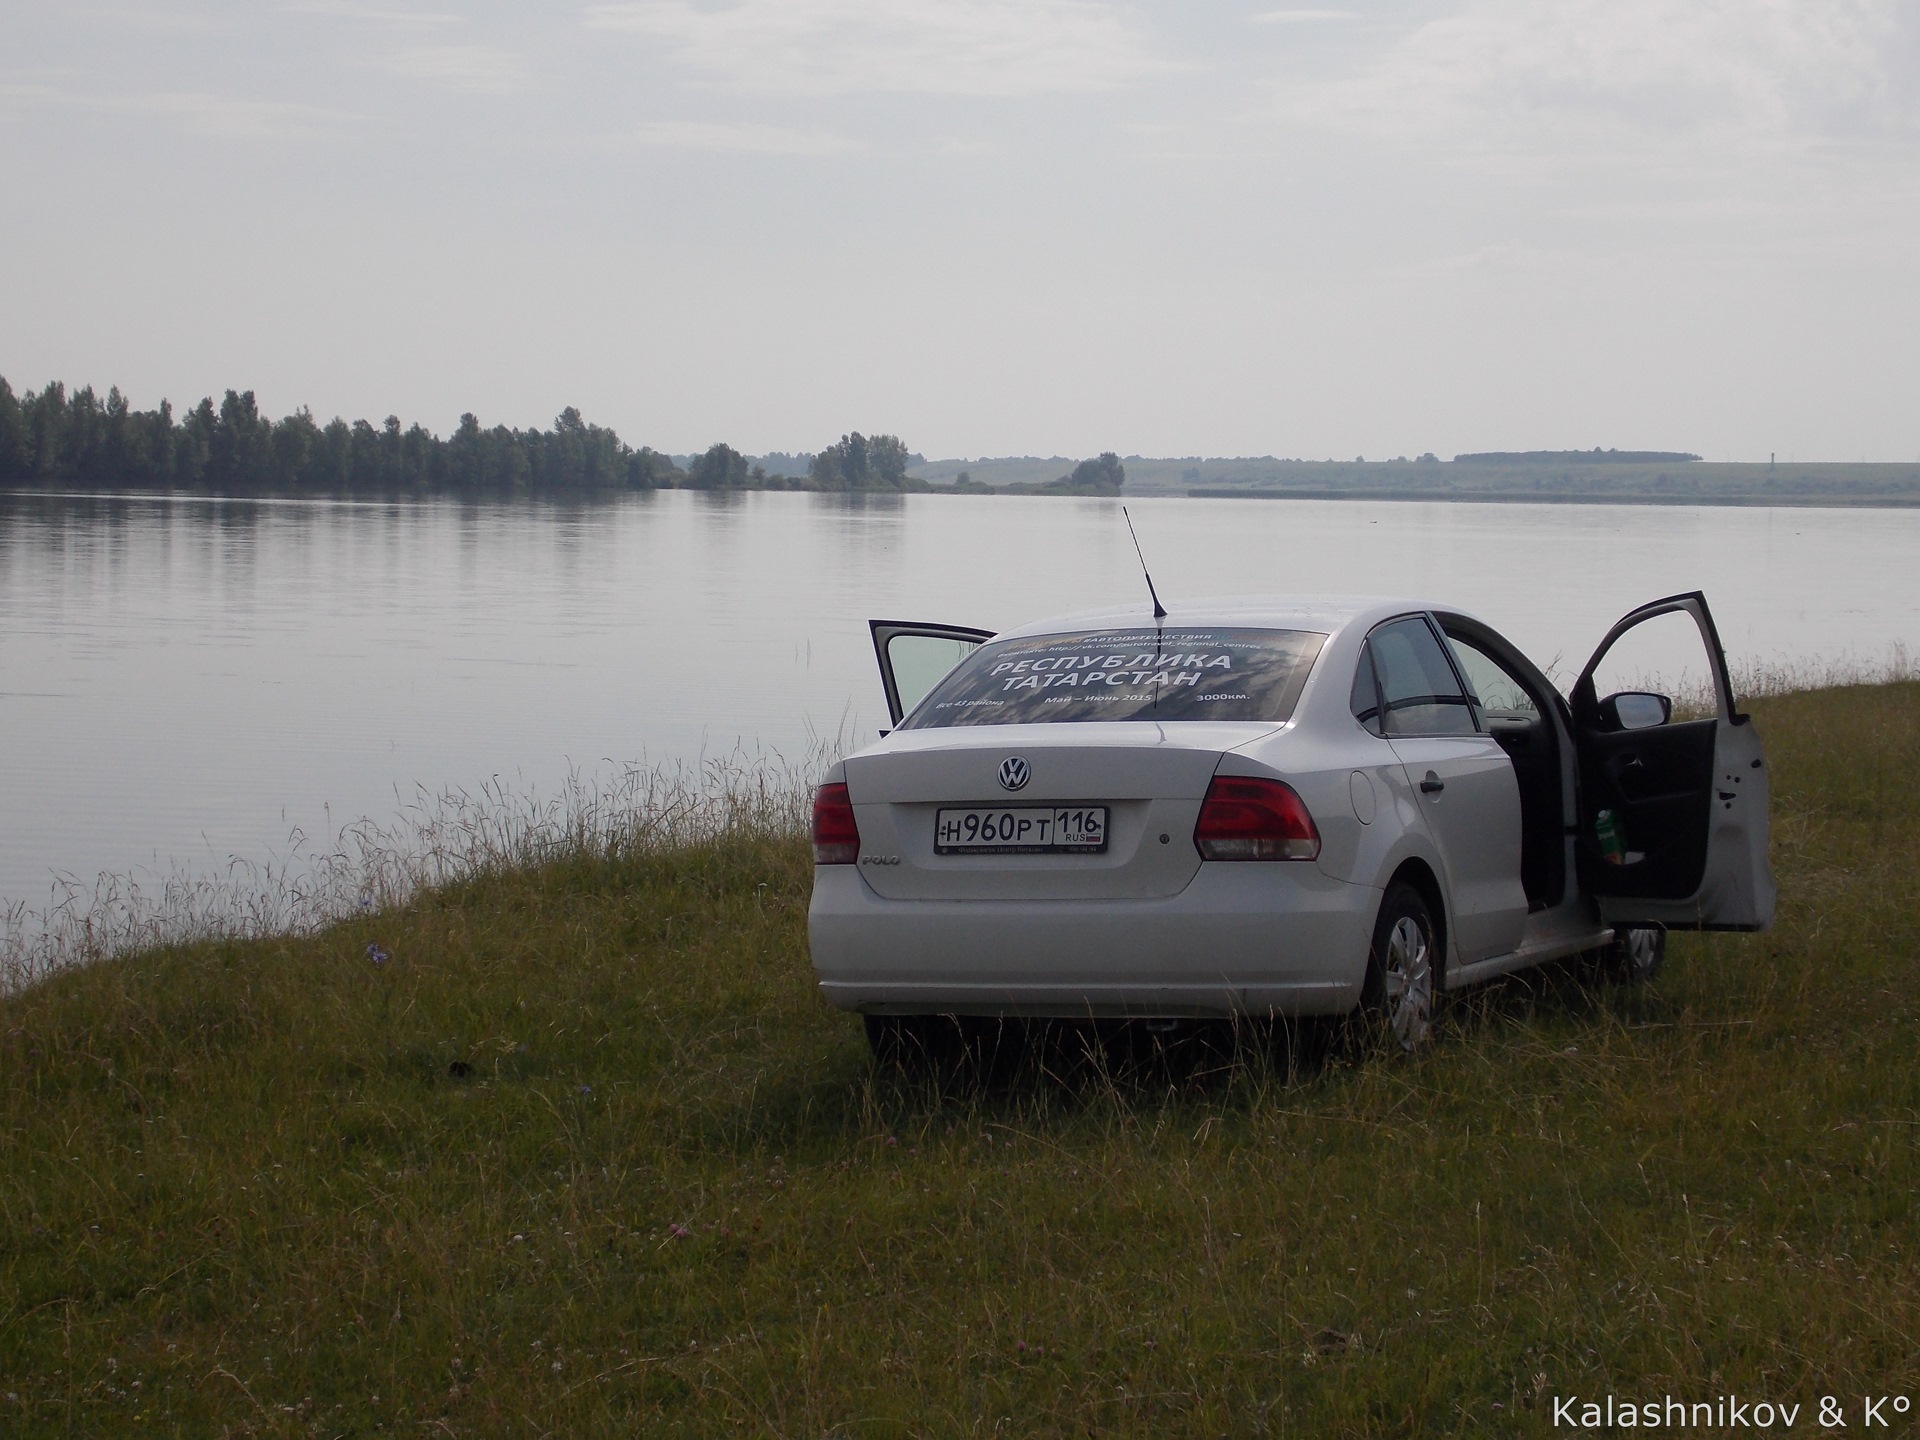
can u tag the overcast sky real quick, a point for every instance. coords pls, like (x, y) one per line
(989, 226)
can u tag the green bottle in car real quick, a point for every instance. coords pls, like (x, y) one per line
(1606, 830)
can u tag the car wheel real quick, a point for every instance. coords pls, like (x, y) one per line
(1402, 986)
(1637, 952)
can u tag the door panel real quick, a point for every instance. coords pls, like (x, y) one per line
(1657, 785)
(1737, 891)
(1474, 817)
(1687, 801)
(1467, 790)
(914, 657)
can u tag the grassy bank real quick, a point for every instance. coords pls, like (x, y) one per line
(585, 1155)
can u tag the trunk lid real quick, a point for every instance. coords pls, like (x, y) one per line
(1150, 777)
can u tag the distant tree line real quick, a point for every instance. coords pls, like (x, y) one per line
(1595, 456)
(1102, 475)
(77, 439)
(855, 462)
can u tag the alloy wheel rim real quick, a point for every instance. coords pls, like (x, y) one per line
(1409, 987)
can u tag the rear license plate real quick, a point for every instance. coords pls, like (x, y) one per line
(1021, 830)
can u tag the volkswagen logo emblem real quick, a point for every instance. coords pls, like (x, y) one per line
(1014, 773)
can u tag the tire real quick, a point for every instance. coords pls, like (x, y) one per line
(1637, 953)
(1402, 992)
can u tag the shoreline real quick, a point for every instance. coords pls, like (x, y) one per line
(1801, 501)
(373, 863)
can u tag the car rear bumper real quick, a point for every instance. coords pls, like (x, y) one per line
(1246, 938)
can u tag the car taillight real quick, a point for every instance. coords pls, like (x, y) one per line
(1246, 818)
(836, 838)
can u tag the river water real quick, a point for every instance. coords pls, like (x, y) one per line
(184, 682)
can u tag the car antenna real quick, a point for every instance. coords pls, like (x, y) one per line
(1159, 610)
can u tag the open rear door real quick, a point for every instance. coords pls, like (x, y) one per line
(915, 657)
(1673, 808)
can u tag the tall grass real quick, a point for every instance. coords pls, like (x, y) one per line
(1761, 678)
(571, 1147)
(440, 838)
(1758, 678)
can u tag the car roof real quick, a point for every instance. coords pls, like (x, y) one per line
(1324, 614)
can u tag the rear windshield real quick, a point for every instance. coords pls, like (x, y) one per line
(1227, 674)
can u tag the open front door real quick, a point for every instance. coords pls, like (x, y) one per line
(1673, 807)
(915, 657)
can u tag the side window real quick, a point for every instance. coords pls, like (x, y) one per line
(1496, 690)
(1366, 694)
(1416, 682)
(921, 662)
(1665, 655)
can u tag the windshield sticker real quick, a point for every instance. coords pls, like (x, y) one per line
(1228, 674)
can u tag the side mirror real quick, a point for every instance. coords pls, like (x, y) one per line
(1636, 710)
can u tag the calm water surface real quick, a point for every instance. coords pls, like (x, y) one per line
(185, 681)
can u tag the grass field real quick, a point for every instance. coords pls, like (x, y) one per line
(586, 1155)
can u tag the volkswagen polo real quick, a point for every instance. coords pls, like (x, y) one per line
(1269, 807)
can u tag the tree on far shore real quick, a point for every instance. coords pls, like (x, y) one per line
(1103, 475)
(860, 462)
(721, 468)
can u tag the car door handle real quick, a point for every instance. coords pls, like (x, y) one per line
(1432, 785)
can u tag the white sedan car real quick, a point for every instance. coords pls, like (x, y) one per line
(1267, 807)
